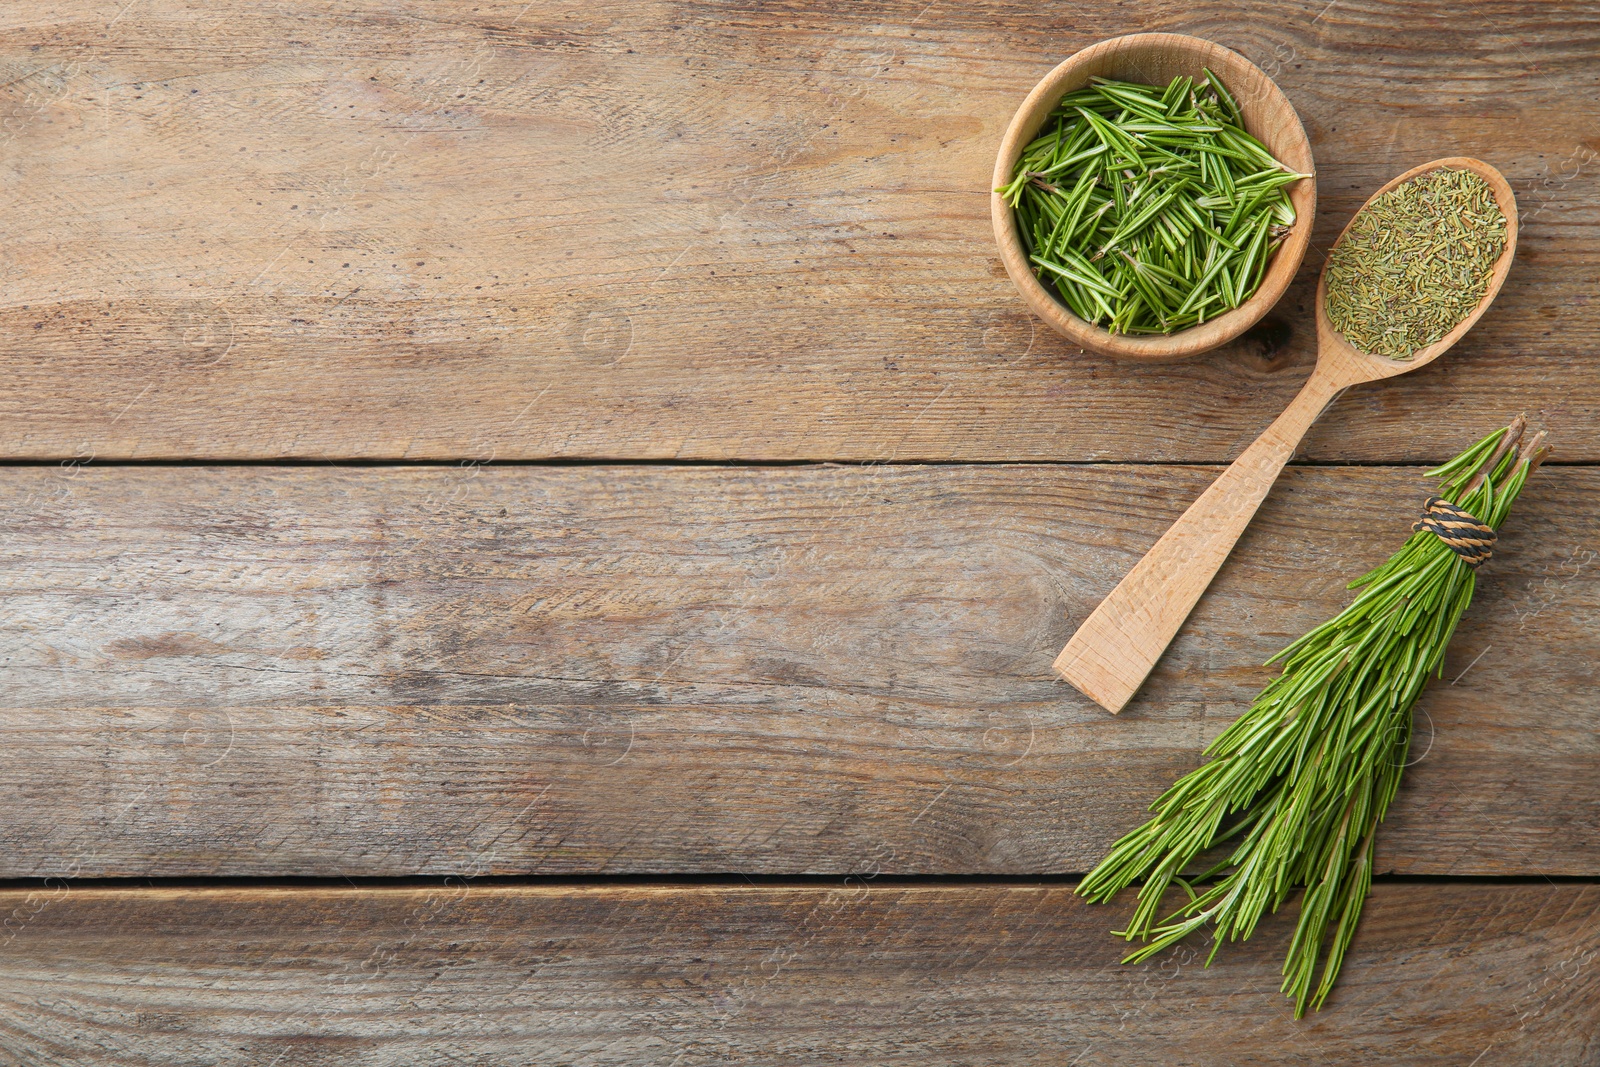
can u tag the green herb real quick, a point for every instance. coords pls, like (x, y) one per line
(1415, 262)
(1300, 782)
(1150, 210)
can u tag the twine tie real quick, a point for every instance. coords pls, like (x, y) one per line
(1464, 535)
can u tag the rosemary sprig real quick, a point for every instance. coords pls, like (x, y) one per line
(1150, 210)
(1301, 781)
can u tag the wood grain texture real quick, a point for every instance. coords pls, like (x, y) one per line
(708, 230)
(593, 669)
(1440, 975)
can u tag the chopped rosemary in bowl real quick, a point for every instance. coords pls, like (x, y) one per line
(1150, 210)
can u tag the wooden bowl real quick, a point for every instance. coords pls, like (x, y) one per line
(1155, 59)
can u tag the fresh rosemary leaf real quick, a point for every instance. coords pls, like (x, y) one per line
(1150, 209)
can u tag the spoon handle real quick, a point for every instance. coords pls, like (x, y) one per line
(1115, 648)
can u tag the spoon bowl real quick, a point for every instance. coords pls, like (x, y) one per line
(1114, 650)
(1367, 367)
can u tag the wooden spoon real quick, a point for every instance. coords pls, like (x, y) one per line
(1115, 648)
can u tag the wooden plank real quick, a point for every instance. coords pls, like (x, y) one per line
(593, 669)
(606, 229)
(1440, 974)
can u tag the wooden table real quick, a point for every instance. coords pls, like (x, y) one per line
(536, 532)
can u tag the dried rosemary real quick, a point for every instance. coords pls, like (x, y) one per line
(1300, 782)
(1415, 262)
(1150, 210)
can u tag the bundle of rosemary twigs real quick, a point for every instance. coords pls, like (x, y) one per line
(1148, 209)
(1303, 778)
